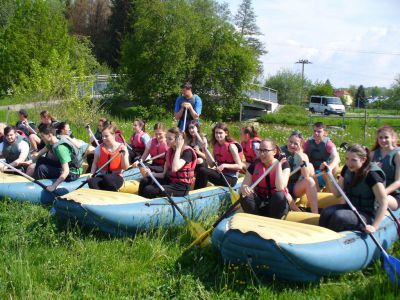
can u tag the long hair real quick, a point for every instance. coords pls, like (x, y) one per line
(362, 153)
(46, 114)
(142, 124)
(176, 132)
(224, 127)
(250, 130)
(189, 137)
(160, 126)
(389, 130)
(297, 134)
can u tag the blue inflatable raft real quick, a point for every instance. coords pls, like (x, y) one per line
(121, 214)
(296, 251)
(19, 188)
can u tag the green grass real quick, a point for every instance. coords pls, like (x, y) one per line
(41, 259)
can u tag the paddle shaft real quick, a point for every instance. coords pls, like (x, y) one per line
(147, 160)
(43, 186)
(184, 120)
(101, 168)
(304, 164)
(30, 128)
(172, 202)
(92, 135)
(336, 184)
(213, 160)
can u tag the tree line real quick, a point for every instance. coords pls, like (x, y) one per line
(293, 89)
(154, 45)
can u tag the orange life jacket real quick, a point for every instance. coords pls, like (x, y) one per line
(115, 166)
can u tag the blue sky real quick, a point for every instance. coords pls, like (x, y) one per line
(348, 42)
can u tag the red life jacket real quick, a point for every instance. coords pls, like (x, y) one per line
(263, 189)
(222, 155)
(157, 148)
(115, 166)
(186, 173)
(248, 150)
(137, 143)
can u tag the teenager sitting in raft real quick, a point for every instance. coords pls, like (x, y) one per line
(178, 172)
(24, 125)
(110, 178)
(196, 144)
(322, 153)
(364, 183)
(250, 143)
(2, 126)
(46, 119)
(387, 155)
(269, 197)
(68, 156)
(301, 182)
(155, 147)
(15, 149)
(138, 140)
(227, 154)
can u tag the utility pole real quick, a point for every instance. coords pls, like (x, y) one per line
(302, 62)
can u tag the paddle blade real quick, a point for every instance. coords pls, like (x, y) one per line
(202, 240)
(234, 195)
(195, 229)
(392, 268)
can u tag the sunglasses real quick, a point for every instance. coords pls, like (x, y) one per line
(265, 150)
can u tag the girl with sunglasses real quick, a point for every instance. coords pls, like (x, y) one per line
(269, 197)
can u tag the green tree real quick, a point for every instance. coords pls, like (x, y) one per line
(121, 22)
(245, 21)
(289, 86)
(174, 41)
(7, 8)
(34, 35)
(360, 97)
(322, 89)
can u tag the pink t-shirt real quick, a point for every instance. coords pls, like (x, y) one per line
(330, 146)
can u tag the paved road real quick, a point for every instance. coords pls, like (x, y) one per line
(17, 107)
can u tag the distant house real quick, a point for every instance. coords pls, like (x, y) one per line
(348, 99)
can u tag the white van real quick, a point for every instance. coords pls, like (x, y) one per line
(326, 105)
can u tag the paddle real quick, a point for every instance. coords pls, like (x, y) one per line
(304, 164)
(43, 186)
(29, 127)
(101, 168)
(195, 229)
(91, 135)
(184, 121)
(233, 194)
(390, 264)
(146, 161)
(204, 238)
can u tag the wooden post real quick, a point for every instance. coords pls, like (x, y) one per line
(365, 125)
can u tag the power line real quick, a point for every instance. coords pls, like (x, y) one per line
(338, 49)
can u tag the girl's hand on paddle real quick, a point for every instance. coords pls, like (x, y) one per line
(123, 149)
(369, 229)
(144, 171)
(51, 188)
(246, 190)
(325, 167)
(220, 168)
